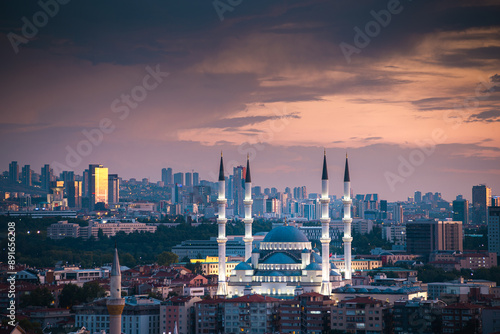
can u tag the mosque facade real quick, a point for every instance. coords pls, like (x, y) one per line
(285, 264)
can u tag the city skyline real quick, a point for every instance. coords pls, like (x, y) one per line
(414, 101)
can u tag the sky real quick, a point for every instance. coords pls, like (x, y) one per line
(409, 89)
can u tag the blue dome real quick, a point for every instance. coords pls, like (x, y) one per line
(243, 266)
(363, 290)
(350, 290)
(285, 234)
(334, 273)
(255, 250)
(279, 258)
(376, 290)
(313, 266)
(333, 266)
(316, 257)
(305, 250)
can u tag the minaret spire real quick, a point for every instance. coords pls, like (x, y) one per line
(248, 239)
(347, 239)
(221, 239)
(115, 302)
(325, 231)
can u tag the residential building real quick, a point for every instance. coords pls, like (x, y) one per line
(113, 188)
(140, 315)
(26, 175)
(491, 320)
(250, 314)
(178, 311)
(14, 172)
(494, 229)
(417, 316)
(462, 317)
(359, 315)
(63, 229)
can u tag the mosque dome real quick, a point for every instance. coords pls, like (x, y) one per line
(313, 266)
(243, 266)
(279, 258)
(285, 234)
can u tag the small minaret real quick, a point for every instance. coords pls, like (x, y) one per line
(115, 302)
(221, 240)
(347, 220)
(248, 239)
(325, 232)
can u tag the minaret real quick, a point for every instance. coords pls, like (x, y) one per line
(347, 239)
(325, 232)
(221, 222)
(115, 302)
(248, 239)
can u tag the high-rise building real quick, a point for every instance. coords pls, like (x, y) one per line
(67, 177)
(189, 179)
(179, 178)
(74, 194)
(14, 172)
(481, 199)
(196, 179)
(238, 190)
(26, 175)
(113, 188)
(166, 176)
(424, 236)
(85, 183)
(98, 185)
(46, 177)
(495, 201)
(461, 211)
(494, 229)
(418, 196)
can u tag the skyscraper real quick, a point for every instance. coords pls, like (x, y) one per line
(238, 189)
(26, 175)
(494, 229)
(418, 196)
(189, 179)
(196, 179)
(74, 190)
(98, 185)
(481, 199)
(424, 236)
(179, 178)
(113, 188)
(166, 176)
(461, 211)
(14, 172)
(46, 177)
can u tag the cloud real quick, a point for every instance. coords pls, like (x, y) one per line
(489, 116)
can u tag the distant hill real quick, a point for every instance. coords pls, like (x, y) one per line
(8, 186)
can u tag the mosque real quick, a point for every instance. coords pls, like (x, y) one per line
(285, 264)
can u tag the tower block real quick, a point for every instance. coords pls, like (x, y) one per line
(325, 232)
(115, 303)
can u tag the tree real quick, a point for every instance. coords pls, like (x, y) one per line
(38, 297)
(167, 258)
(70, 296)
(91, 291)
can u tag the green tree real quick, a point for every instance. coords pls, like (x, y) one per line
(38, 297)
(70, 295)
(91, 291)
(167, 258)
